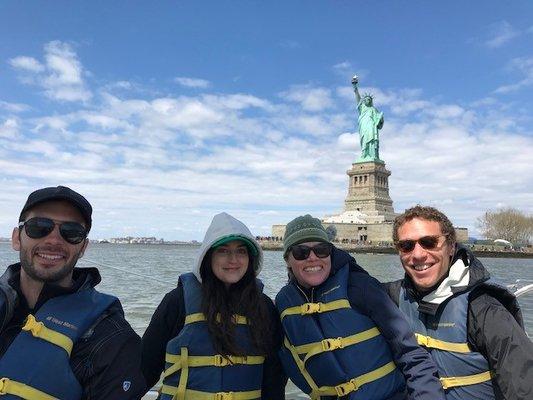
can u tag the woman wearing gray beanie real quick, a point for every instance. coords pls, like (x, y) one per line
(344, 337)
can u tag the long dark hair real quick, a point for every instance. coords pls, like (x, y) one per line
(243, 298)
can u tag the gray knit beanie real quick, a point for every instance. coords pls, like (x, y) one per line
(302, 229)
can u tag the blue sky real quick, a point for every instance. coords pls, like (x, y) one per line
(165, 114)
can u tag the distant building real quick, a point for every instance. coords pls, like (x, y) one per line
(136, 240)
(368, 211)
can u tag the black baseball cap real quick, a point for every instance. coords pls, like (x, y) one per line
(60, 193)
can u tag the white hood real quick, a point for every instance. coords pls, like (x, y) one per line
(224, 225)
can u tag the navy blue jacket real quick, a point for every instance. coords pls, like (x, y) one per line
(366, 294)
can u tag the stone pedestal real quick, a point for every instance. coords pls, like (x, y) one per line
(368, 192)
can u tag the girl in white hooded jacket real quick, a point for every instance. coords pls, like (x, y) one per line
(217, 332)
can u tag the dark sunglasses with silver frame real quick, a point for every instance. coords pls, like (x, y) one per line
(301, 252)
(39, 227)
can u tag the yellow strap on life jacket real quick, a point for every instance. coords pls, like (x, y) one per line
(355, 383)
(39, 330)
(313, 349)
(454, 381)
(344, 388)
(198, 395)
(432, 343)
(312, 308)
(183, 361)
(7, 386)
(208, 361)
(198, 317)
(182, 385)
(314, 387)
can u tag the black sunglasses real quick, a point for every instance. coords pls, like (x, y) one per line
(301, 252)
(39, 227)
(427, 243)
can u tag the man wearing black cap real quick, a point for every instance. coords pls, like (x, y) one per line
(59, 337)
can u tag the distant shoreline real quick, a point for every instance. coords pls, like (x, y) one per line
(359, 249)
(268, 245)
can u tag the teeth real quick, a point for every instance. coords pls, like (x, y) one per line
(421, 267)
(312, 269)
(50, 256)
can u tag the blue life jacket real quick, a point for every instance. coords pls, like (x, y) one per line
(36, 364)
(194, 371)
(464, 373)
(331, 349)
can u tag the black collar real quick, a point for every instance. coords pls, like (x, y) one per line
(49, 290)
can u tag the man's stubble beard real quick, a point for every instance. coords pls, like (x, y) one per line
(46, 276)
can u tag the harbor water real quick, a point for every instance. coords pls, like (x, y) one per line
(140, 275)
(155, 270)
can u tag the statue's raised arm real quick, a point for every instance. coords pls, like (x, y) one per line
(370, 122)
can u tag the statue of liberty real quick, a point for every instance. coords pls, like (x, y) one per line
(370, 122)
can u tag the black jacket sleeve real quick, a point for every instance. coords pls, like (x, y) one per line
(367, 295)
(496, 334)
(167, 321)
(274, 378)
(108, 363)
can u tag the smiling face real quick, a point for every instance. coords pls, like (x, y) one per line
(51, 258)
(313, 270)
(425, 267)
(229, 262)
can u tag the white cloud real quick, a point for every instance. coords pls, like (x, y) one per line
(63, 64)
(9, 129)
(14, 107)
(61, 76)
(26, 63)
(54, 123)
(524, 67)
(310, 98)
(64, 80)
(344, 69)
(121, 85)
(501, 33)
(349, 141)
(345, 65)
(192, 82)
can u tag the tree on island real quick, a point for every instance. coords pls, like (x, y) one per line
(509, 224)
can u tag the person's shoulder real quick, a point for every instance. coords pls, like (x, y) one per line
(269, 303)
(175, 294)
(359, 277)
(172, 299)
(489, 293)
(111, 323)
(269, 306)
(492, 300)
(393, 289)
